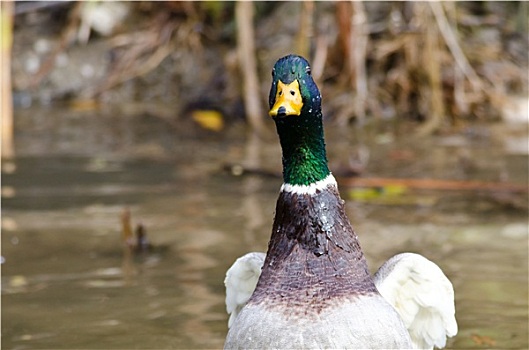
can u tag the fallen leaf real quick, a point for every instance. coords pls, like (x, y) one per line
(208, 119)
(482, 340)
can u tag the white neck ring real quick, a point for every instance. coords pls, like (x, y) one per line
(311, 189)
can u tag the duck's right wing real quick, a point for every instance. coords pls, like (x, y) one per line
(422, 295)
(241, 279)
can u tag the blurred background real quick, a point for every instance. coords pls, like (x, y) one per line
(139, 161)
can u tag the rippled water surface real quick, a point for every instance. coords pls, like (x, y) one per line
(67, 282)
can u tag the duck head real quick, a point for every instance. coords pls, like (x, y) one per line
(295, 106)
(293, 92)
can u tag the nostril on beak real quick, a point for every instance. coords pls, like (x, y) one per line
(282, 111)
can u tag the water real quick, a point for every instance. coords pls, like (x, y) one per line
(66, 282)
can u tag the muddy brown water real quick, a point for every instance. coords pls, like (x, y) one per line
(66, 283)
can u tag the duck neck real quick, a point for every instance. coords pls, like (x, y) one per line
(312, 237)
(303, 145)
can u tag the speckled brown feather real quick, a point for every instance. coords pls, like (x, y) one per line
(314, 257)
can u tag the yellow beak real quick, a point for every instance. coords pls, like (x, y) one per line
(288, 100)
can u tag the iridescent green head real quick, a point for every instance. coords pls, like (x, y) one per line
(293, 90)
(295, 106)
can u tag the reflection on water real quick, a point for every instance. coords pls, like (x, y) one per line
(63, 280)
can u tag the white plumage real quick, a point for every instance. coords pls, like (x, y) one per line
(422, 295)
(241, 279)
(416, 287)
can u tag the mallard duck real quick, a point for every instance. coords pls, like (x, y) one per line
(313, 288)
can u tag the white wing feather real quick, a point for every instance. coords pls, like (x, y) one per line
(241, 279)
(422, 295)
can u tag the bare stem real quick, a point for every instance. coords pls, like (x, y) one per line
(359, 37)
(6, 32)
(246, 52)
(453, 45)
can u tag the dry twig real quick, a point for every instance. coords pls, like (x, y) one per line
(359, 37)
(433, 70)
(305, 28)
(67, 37)
(320, 57)
(140, 52)
(6, 41)
(433, 184)
(453, 45)
(246, 52)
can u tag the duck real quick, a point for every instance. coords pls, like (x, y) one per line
(313, 288)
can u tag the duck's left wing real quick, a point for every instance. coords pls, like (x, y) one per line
(422, 295)
(241, 279)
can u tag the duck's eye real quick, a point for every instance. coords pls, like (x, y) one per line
(280, 93)
(292, 92)
(307, 70)
(273, 72)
